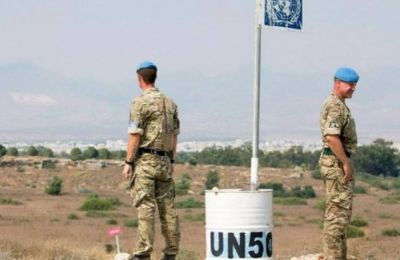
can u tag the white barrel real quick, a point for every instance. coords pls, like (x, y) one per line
(238, 224)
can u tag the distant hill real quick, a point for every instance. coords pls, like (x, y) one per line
(39, 104)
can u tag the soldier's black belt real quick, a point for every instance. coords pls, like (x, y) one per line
(153, 151)
(328, 151)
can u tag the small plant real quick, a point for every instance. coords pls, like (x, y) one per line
(321, 205)
(197, 217)
(358, 222)
(112, 222)
(360, 190)
(290, 201)
(316, 174)
(306, 192)
(189, 203)
(353, 232)
(109, 248)
(279, 190)
(54, 186)
(9, 201)
(93, 202)
(182, 185)
(391, 232)
(212, 180)
(73, 216)
(132, 223)
(385, 215)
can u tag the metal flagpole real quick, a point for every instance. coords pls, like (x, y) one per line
(256, 99)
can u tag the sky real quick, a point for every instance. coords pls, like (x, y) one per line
(103, 41)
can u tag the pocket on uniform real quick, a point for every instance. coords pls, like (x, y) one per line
(327, 161)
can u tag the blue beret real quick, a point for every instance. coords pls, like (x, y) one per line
(146, 65)
(347, 75)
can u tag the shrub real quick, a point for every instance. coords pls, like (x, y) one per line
(189, 203)
(279, 191)
(392, 199)
(182, 185)
(12, 151)
(96, 203)
(104, 154)
(391, 232)
(45, 152)
(73, 216)
(358, 222)
(112, 222)
(396, 183)
(290, 201)
(321, 205)
(306, 192)
(197, 217)
(76, 154)
(54, 186)
(316, 174)
(3, 150)
(133, 223)
(90, 152)
(9, 201)
(212, 180)
(353, 232)
(360, 190)
(32, 151)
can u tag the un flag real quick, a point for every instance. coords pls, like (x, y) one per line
(284, 13)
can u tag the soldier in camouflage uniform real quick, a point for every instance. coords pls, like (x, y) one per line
(339, 143)
(153, 130)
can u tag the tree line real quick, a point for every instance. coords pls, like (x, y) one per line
(75, 154)
(377, 158)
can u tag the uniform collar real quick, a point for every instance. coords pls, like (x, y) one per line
(149, 90)
(337, 98)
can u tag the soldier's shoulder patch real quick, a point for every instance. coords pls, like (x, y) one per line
(333, 125)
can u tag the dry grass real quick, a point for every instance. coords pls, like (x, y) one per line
(40, 229)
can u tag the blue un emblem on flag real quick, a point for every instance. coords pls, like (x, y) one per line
(284, 13)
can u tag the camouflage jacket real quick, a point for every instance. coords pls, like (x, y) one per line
(155, 117)
(336, 119)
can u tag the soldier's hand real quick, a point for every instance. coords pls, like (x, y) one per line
(348, 172)
(127, 171)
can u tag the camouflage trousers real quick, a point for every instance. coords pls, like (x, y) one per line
(154, 186)
(339, 200)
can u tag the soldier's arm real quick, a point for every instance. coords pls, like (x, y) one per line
(336, 146)
(131, 151)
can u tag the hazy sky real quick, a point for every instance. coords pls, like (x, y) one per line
(105, 40)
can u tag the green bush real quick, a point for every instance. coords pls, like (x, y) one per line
(197, 217)
(3, 150)
(32, 151)
(189, 203)
(9, 201)
(104, 154)
(290, 201)
(54, 186)
(212, 180)
(354, 232)
(112, 222)
(391, 199)
(133, 223)
(321, 205)
(360, 190)
(12, 151)
(45, 152)
(73, 216)
(183, 185)
(90, 153)
(76, 154)
(391, 232)
(279, 190)
(316, 174)
(396, 183)
(306, 192)
(96, 203)
(357, 221)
